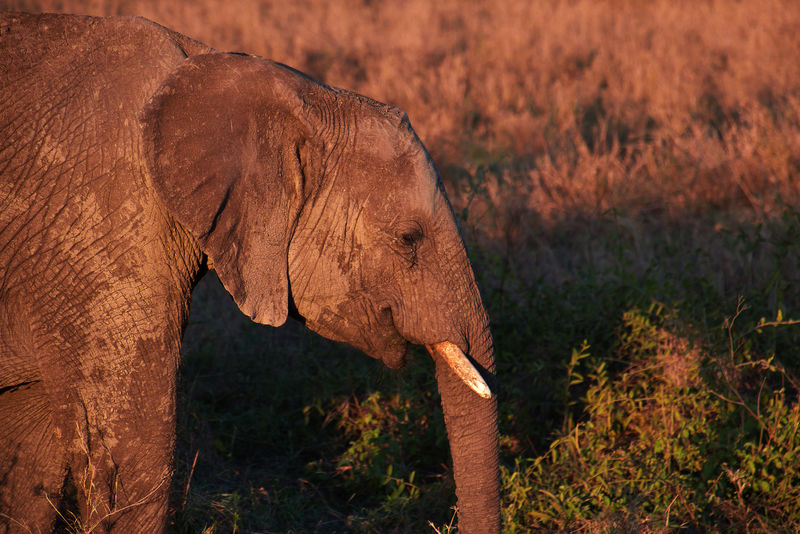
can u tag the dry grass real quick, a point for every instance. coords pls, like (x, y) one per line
(561, 110)
(526, 77)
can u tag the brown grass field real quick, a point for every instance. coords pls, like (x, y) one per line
(608, 159)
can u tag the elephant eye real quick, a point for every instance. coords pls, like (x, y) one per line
(410, 240)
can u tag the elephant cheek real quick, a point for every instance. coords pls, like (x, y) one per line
(382, 343)
(321, 328)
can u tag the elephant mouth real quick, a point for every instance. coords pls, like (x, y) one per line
(382, 340)
(394, 354)
(378, 336)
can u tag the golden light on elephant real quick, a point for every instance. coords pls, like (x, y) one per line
(461, 366)
(306, 200)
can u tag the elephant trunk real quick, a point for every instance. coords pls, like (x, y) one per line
(471, 422)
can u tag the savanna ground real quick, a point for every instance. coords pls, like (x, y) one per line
(626, 176)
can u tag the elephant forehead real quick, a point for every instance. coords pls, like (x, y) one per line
(379, 140)
(410, 192)
(406, 180)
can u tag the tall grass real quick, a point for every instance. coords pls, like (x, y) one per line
(626, 174)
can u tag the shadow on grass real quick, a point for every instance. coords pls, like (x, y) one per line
(283, 431)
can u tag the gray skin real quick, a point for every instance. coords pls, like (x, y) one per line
(132, 159)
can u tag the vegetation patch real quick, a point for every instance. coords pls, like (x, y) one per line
(681, 436)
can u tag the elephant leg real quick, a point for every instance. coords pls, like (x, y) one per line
(122, 489)
(122, 464)
(32, 460)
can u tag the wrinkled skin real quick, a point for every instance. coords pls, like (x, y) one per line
(134, 158)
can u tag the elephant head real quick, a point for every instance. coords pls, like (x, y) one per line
(318, 199)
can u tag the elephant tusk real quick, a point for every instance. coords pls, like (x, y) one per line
(461, 366)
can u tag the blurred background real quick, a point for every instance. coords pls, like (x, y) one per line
(626, 177)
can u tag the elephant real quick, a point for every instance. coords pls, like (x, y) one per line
(133, 160)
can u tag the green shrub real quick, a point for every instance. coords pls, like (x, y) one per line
(682, 436)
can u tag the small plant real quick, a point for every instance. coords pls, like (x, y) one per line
(678, 438)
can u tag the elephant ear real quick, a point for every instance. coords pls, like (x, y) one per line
(223, 138)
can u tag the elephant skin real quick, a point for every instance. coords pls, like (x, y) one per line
(132, 160)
